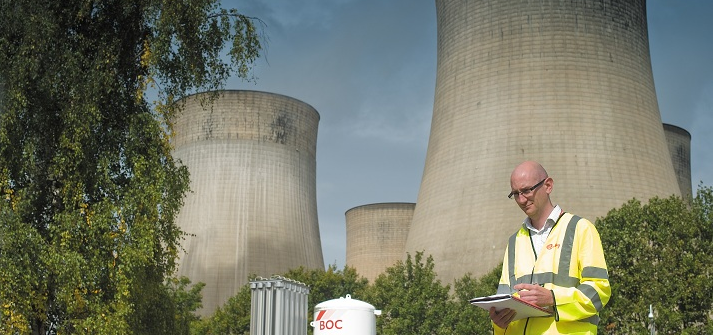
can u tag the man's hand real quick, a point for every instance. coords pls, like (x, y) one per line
(502, 318)
(535, 294)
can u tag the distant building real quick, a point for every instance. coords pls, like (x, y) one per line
(679, 146)
(376, 236)
(253, 207)
(566, 83)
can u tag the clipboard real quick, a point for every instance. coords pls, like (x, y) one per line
(522, 308)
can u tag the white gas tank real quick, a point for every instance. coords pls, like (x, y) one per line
(344, 316)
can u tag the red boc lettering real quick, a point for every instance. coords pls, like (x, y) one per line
(329, 324)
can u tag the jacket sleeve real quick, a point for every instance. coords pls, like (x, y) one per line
(593, 292)
(503, 287)
(504, 284)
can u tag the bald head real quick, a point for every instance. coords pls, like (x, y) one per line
(529, 170)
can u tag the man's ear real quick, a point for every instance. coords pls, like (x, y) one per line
(549, 184)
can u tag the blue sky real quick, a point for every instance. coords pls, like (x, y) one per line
(369, 68)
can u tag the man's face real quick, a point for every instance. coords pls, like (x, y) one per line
(530, 193)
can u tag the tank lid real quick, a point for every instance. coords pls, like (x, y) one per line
(345, 303)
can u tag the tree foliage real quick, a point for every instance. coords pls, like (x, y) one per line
(169, 309)
(411, 298)
(233, 318)
(90, 190)
(330, 283)
(464, 318)
(658, 254)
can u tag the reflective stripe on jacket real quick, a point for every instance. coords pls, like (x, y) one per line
(571, 265)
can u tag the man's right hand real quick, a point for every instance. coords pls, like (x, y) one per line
(502, 318)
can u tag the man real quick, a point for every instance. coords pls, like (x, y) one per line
(555, 261)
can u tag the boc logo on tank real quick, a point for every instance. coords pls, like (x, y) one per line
(344, 316)
(330, 319)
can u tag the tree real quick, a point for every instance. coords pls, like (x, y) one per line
(170, 308)
(657, 254)
(410, 297)
(90, 190)
(330, 283)
(464, 318)
(233, 318)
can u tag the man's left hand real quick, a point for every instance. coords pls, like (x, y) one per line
(535, 294)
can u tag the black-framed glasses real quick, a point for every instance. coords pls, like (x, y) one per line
(526, 192)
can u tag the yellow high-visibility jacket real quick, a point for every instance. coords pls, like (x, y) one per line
(571, 265)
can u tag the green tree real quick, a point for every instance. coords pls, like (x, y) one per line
(658, 254)
(411, 298)
(330, 283)
(464, 318)
(170, 308)
(90, 190)
(233, 318)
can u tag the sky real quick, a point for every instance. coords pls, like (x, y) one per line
(369, 68)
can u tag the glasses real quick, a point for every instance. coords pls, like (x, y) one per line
(526, 192)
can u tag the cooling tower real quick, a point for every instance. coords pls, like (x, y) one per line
(679, 146)
(376, 236)
(252, 209)
(566, 83)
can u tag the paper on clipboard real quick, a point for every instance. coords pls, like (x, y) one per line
(522, 308)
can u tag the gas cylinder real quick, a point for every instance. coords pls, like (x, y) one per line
(344, 316)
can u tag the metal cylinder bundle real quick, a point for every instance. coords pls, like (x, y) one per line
(278, 306)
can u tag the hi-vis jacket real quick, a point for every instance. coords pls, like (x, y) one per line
(571, 265)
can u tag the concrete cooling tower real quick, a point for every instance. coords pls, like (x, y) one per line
(566, 83)
(376, 236)
(679, 146)
(253, 207)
